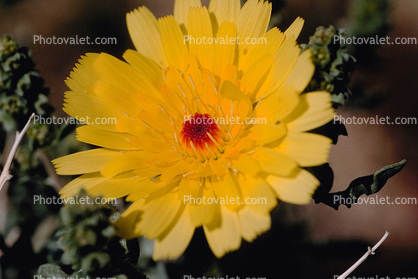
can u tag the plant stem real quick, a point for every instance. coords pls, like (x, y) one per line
(5, 174)
(369, 252)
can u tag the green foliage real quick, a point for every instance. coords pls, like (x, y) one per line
(333, 64)
(366, 185)
(90, 242)
(21, 88)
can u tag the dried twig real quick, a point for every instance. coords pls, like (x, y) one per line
(5, 174)
(369, 252)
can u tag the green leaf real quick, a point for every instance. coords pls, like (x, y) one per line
(367, 185)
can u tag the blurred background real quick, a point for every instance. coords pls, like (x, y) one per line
(384, 83)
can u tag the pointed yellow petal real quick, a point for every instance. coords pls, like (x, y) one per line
(225, 234)
(313, 111)
(180, 168)
(222, 10)
(84, 161)
(256, 74)
(252, 22)
(158, 214)
(273, 39)
(224, 52)
(278, 105)
(306, 148)
(297, 189)
(204, 213)
(86, 181)
(143, 29)
(225, 189)
(247, 165)
(284, 61)
(173, 42)
(120, 141)
(174, 241)
(150, 75)
(257, 194)
(295, 28)
(253, 223)
(302, 73)
(200, 28)
(274, 162)
(181, 10)
(125, 162)
(266, 133)
(253, 19)
(128, 222)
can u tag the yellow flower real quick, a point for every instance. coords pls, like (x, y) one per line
(209, 132)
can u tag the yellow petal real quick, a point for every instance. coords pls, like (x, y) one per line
(297, 189)
(87, 108)
(247, 165)
(118, 186)
(253, 223)
(257, 194)
(158, 214)
(273, 39)
(120, 141)
(143, 29)
(84, 161)
(256, 74)
(181, 10)
(222, 11)
(86, 181)
(266, 133)
(174, 241)
(200, 28)
(128, 222)
(224, 52)
(253, 19)
(306, 148)
(150, 75)
(295, 28)
(284, 61)
(226, 189)
(313, 111)
(173, 42)
(224, 235)
(203, 213)
(278, 105)
(125, 162)
(274, 162)
(180, 168)
(302, 72)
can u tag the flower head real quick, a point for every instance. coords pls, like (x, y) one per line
(204, 128)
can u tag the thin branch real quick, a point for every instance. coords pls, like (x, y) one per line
(369, 252)
(57, 184)
(5, 174)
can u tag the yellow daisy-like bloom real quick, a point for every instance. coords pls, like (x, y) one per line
(182, 149)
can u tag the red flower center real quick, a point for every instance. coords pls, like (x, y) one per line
(199, 130)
